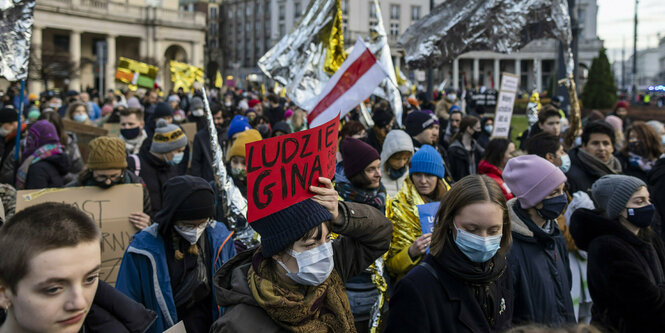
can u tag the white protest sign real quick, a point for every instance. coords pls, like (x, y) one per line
(505, 104)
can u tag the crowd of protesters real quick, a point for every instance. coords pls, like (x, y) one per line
(530, 236)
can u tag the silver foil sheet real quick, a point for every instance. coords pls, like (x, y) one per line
(458, 26)
(16, 19)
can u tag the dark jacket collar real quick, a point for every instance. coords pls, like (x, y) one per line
(587, 225)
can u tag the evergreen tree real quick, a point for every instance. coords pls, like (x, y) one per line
(600, 92)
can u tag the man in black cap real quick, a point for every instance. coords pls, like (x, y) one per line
(384, 119)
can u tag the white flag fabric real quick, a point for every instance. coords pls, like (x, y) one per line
(355, 80)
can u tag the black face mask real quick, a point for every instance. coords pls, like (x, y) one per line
(641, 217)
(553, 207)
(104, 185)
(476, 135)
(130, 133)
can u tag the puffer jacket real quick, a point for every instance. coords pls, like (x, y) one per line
(464, 162)
(396, 141)
(485, 168)
(402, 211)
(541, 273)
(365, 236)
(625, 273)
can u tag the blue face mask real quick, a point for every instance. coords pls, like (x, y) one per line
(565, 163)
(80, 117)
(489, 128)
(177, 158)
(476, 248)
(553, 207)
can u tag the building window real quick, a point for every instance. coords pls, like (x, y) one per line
(248, 9)
(247, 27)
(257, 26)
(213, 29)
(394, 30)
(259, 8)
(394, 12)
(345, 7)
(415, 13)
(297, 9)
(239, 13)
(230, 13)
(282, 30)
(372, 11)
(213, 12)
(282, 12)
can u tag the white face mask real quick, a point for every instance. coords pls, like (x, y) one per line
(452, 97)
(191, 234)
(198, 113)
(315, 265)
(4, 131)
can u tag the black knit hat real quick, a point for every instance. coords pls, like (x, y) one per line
(382, 117)
(418, 121)
(163, 110)
(283, 228)
(8, 114)
(198, 205)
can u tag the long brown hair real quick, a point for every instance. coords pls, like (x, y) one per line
(469, 190)
(468, 121)
(647, 137)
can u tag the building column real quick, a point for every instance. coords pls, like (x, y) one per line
(143, 48)
(476, 72)
(197, 51)
(109, 74)
(75, 57)
(456, 74)
(497, 74)
(35, 85)
(538, 68)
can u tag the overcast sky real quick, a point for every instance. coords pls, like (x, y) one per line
(615, 24)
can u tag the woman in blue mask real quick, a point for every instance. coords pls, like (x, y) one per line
(158, 162)
(539, 257)
(464, 284)
(294, 282)
(626, 257)
(78, 112)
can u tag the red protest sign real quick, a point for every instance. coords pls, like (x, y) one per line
(281, 169)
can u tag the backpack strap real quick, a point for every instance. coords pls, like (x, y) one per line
(137, 164)
(431, 270)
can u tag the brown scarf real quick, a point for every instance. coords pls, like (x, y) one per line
(308, 309)
(600, 168)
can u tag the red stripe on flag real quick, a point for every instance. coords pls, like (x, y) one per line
(357, 69)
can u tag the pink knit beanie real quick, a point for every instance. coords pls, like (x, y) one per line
(532, 178)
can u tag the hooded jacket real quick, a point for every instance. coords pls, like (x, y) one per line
(485, 168)
(394, 143)
(625, 273)
(403, 213)
(112, 311)
(365, 236)
(460, 160)
(47, 173)
(541, 273)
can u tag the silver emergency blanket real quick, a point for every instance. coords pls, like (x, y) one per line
(458, 26)
(296, 61)
(234, 205)
(378, 44)
(16, 19)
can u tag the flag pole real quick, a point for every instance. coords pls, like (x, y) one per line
(17, 148)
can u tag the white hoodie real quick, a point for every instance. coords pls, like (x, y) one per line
(396, 141)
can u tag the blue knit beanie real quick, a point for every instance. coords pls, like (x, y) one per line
(238, 124)
(427, 160)
(283, 228)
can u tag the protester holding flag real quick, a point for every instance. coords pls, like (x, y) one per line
(497, 154)
(169, 266)
(106, 167)
(626, 257)
(158, 163)
(539, 257)
(465, 153)
(395, 157)
(425, 184)
(465, 283)
(295, 280)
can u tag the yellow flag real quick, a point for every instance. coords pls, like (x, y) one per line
(218, 80)
(398, 77)
(184, 75)
(263, 89)
(333, 40)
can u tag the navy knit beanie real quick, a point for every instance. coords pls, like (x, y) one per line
(283, 228)
(356, 155)
(163, 110)
(418, 121)
(427, 160)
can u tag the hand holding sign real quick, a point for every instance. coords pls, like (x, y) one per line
(326, 196)
(427, 215)
(281, 170)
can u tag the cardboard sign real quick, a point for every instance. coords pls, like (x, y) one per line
(190, 132)
(84, 133)
(427, 216)
(177, 328)
(281, 169)
(109, 208)
(505, 104)
(113, 129)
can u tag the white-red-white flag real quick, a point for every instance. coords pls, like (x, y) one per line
(355, 80)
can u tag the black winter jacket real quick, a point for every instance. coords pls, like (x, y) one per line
(421, 303)
(154, 172)
(580, 176)
(629, 169)
(656, 182)
(112, 311)
(625, 273)
(459, 159)
(202, 154)
(48, 172)
(541, 273)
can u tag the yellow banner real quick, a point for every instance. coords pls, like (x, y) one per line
(184, 75)
(136, 73)
(334, 43)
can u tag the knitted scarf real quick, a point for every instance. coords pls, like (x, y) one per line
(42, 153)
(600, 168)
(307, 309)
(375, 198)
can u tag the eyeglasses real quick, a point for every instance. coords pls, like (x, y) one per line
(190, 227)
(112, 178)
